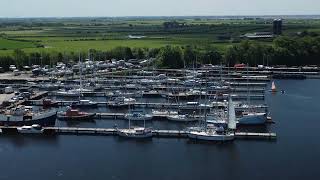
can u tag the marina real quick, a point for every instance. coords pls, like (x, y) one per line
(200, 101)
(137, 90)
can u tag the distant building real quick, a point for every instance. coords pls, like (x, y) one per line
(277, 26)
(258, 35)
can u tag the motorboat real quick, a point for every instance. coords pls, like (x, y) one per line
(33, 129)
(138, 116)
(181, 118)
(164, 112)
(74, 114)
(121, 102)
(84, 103)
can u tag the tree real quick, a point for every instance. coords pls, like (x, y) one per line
(189, 56)
(171, 57)
(122, 53)
(19, 57)
(153, 52)
(211, 56)
(138, 53)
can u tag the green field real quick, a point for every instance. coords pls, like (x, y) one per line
(12, 44)
(81, 34)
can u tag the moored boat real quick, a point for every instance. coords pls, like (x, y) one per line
(216, 133)
(252, 118)
(21, 116)
(120, 102)
(163, 112)
(211, 135)
(181, 118)
(139, 132)
(138, 116)
(47, 103)
(85, 103)
(74, 114)
(34, 129)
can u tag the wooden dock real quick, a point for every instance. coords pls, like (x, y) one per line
(113, 132)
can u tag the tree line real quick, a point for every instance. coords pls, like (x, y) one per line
(290, 51)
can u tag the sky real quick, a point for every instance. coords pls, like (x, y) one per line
(112, 8)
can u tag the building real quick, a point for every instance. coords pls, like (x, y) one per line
(277, 26)
(258, 35)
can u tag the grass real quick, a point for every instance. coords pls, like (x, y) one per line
(11, 44)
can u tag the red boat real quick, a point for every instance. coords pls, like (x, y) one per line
(75, 114)
(239, 66)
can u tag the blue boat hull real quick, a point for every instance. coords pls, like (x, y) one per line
(47, 122)
(253, 120)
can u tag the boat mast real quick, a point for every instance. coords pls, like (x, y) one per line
(80, 71)
(248, 88)
(206, 97)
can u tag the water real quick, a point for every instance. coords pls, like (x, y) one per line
(295, 154)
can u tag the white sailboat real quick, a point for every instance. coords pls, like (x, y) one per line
(135, 132)
(213, 133)
(77, 92)
(273, 87)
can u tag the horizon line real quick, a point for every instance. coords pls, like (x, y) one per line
(155, 16)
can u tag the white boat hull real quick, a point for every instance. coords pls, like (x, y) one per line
(133, 134)
(178, 118)
(210, 137)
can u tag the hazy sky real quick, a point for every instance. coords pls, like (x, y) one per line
(61, 8)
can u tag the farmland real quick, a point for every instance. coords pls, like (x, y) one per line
(81, 34)
(173, 41)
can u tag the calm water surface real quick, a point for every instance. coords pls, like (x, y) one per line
(295, 154)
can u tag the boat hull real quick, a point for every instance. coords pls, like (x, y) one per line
(118, 106)
(181, 119)
(84, 105)
(46, 121)
(215, 137)
(255, 119)
(77, 118)
(125, 134)
(145, 118)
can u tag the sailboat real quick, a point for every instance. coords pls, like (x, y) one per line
(135, 132)
(273, 88)
(82, 102)
(252, 117)
(75, 92)
(214, 133)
